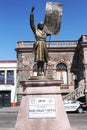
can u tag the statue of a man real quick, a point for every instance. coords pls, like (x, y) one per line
(40, 49)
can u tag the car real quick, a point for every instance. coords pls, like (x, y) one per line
(74, 106)
(84, 105)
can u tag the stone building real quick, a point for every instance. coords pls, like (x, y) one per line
(68, 62)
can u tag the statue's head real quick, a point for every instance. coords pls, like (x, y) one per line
(40, 25)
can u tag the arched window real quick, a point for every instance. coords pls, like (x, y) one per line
(61, 66)
(62, 72)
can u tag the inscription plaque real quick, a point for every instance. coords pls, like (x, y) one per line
(42, 107)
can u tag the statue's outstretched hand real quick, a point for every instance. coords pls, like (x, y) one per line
(32, 9)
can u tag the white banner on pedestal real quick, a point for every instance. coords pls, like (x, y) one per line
(42, 107)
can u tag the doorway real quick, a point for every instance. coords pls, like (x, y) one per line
(5, 98)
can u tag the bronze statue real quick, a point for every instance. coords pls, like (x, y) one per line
(40, 49)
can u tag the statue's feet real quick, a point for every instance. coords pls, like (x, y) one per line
(39, 74)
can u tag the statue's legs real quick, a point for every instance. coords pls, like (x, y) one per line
(40, 68)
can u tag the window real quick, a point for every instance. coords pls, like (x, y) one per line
(2, 77)
(10, 77)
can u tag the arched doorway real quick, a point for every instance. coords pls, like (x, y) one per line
(62, 72)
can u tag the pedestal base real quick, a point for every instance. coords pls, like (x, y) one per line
(42, 108)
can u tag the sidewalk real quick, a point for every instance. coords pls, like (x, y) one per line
(9, 109)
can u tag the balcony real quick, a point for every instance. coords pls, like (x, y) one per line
(61, 43)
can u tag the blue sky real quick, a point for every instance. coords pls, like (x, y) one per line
(14, 22)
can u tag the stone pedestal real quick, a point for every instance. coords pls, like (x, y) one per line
(42, 107)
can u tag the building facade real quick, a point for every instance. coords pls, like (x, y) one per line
(8, 83)
(68, 62)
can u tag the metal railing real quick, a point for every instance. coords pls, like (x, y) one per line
(77, 93)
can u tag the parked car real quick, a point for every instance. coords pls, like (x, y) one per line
(84, 105)
(74, 106)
